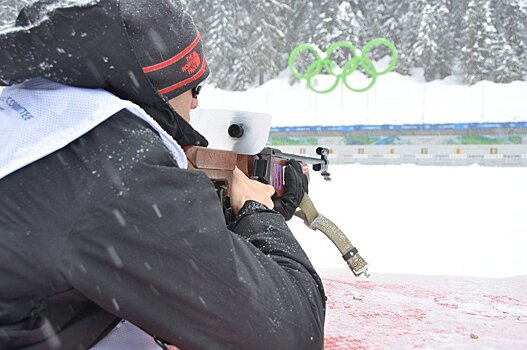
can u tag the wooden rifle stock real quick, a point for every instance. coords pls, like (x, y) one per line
(267, 166)
(217, 164)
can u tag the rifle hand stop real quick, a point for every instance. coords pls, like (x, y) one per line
(316, 221)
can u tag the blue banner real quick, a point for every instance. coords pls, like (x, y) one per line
(400, 127)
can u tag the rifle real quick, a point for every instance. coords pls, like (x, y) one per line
(267, 166)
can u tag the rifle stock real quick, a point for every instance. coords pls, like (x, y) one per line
(266, 166)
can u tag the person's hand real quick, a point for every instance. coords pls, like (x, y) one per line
(296, 184)
(244, 189)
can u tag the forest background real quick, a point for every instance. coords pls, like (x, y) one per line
(248, 41)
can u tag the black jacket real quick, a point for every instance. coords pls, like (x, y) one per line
(109, 227)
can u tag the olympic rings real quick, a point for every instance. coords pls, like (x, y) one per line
(347, 69)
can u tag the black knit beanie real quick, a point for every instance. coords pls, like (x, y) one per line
(145, 51)
(166, 43)
(161, 35)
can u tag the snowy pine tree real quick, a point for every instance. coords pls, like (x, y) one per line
(395, 20)
(299, 27)
(244, 40)
(486, 53)
(224, 29)
(511, 23)
(351, 22)
(432, 46)
(325, 28)
(375, 18)
(457, 12)
(409, 14)
(478, 40)
(267, 40)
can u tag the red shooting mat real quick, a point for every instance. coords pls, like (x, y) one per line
(397, 311)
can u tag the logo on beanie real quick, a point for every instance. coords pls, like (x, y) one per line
(193, 62)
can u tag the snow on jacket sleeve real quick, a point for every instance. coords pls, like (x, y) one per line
(150, 245)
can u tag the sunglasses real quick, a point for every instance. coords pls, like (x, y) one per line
(196, 89)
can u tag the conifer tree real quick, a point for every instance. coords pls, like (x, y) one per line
(373, 11)
(245, 40)
(351, 22)
(300, 25)
(266, 42)
(487, 53)
(325, 28)
(511, 23)
(393, 18)
(396, 20)
(409, 14)
(432, 46)
(222, 24)
(478, 38)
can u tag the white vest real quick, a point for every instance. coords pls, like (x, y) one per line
(39, 117)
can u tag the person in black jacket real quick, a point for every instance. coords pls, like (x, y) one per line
(106, 240)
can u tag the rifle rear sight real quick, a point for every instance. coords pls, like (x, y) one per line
(272, 160)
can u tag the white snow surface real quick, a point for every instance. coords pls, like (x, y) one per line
(425, 220)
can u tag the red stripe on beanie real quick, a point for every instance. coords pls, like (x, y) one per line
(173, 59)
(186, 81)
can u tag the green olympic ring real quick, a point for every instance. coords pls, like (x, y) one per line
(347, 69)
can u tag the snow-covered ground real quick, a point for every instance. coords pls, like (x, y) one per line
(465, 221)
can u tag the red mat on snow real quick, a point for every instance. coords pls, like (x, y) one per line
(396, 311)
